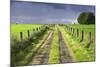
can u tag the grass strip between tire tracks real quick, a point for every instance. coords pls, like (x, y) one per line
(54, 51)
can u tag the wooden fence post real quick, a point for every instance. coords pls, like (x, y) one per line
(21, 35)
(89, 37)
(73, 31)
(77, 32)
(37, 29)
(82, 35)
(28, 33)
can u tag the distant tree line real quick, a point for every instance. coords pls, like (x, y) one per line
(86, 18)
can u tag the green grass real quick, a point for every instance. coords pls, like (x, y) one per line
(23, 50)
(33, 51)
(78, 48)
(17, 28)
(54, 51)
(86, 28)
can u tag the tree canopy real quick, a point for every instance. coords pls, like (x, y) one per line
(86, 18)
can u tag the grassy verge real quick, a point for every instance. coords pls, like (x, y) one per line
(35, 49)
(54, 51)
(81, 53)
(23, 51)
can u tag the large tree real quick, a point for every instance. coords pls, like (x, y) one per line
(86, 18)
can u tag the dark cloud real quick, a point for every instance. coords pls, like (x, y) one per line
(36, 12)
(57, 6)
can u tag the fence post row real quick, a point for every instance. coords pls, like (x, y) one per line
(72, 30)
(21, 35)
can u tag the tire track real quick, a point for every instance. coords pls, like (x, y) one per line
(42, 56)
(65, 56)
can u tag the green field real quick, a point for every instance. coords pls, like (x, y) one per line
(17, 28)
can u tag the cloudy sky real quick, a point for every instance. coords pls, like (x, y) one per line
(35, 12)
